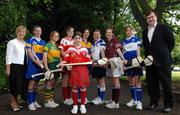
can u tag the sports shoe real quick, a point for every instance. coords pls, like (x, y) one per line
(49, 104)
(37, 105)
(55, 104)
(83, 109)
(112, 105)
(68, 101)
(31, 107)
(74, 110)
(97, 101)
(86, 101)
(139, 105)
(131, 103)
(108, 101)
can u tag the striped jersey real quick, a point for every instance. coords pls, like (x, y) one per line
(130, 46)
(53, 53)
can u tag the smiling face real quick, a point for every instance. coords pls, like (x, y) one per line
(70, 32)
(77, 40)
(96, 35)
(109, 34)
(86, 34)
(151, 19)
(54, 37)
(21, 32)
(129, 32)
(37, 32)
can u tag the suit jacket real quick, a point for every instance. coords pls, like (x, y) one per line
(161, 45)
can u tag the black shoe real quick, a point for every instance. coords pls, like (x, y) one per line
(166, 110)
(151, 107)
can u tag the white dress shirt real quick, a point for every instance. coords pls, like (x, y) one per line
(15, 52)
(151, 31)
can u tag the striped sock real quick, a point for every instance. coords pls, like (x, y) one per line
(47, 95)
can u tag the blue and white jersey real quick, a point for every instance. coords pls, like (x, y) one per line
(130, 46)
(96, 49)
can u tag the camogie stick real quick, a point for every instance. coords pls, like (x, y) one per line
(57, 70)
(41, 65)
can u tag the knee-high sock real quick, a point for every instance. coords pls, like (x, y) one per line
(75, 98)
(30, 96)
(52, 93)
(65, 92)
(102, 93)
(132, 90)
(115, 94)
(47, 94)
(83, 97)
(139, 93)
(69, 92)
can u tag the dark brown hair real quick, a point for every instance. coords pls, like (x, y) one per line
(151, 11)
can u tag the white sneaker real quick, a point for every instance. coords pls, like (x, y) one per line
(68, 101)
(108, 101)
(31, 107)
(139, 105)
(83, 109)
(112, 105)
(131, 103)
(49, 104)
(55, 104)
(37, 105)
(97, 101)
(74, 110)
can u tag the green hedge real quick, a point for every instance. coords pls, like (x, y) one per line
(4, 85)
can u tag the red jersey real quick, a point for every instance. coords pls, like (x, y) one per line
(77, 55)
(79, 73)
(65, 44)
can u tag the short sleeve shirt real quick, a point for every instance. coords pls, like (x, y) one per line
(130, 47)
(53, 53)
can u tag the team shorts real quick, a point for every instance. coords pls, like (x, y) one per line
(98, 72)
(118, 71)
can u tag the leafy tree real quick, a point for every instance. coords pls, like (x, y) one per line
(12, 14)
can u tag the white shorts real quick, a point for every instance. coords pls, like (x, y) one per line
(119, 68)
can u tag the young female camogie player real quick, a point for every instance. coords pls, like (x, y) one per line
(114, 54)
(98, 72)
(51, 57)
(86, 44)
(65, 43)
(131, 49)
(35, 46)
(79, 78)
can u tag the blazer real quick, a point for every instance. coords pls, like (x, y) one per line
(161, 45)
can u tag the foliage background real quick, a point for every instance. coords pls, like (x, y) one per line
(81, 14)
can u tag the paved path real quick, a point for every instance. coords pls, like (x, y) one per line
(91, 109)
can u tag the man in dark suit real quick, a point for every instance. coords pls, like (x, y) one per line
(158, 41)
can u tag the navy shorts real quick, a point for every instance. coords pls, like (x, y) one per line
(134, 72)
(98, 72)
